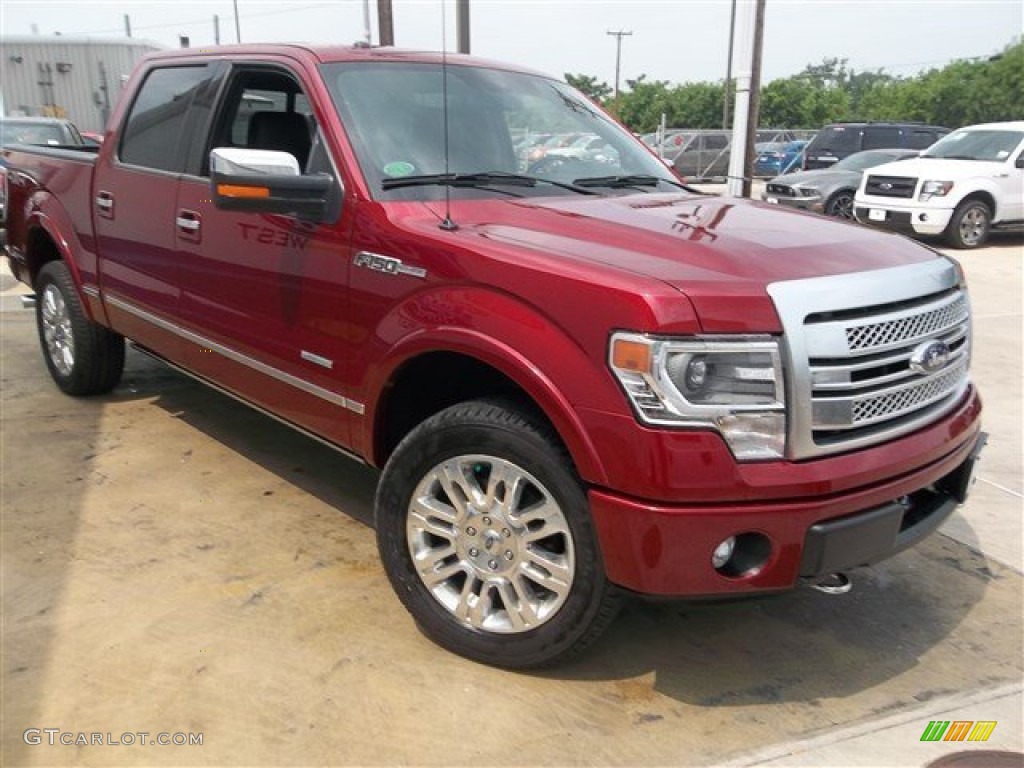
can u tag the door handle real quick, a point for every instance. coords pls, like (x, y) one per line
(105, 204)
(189, 224)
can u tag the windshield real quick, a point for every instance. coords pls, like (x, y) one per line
(863, 160)
(993, 145)
(30, 133)
(498, 123)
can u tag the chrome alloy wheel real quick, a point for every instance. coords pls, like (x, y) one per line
(60, 341)
(490, 543)
(973, 226)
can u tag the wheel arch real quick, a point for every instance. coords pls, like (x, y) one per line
(432, 376)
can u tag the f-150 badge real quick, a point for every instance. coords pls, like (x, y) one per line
(386, 264)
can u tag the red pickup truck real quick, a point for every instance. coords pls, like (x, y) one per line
(581, 378)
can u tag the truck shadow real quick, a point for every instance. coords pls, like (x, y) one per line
(805, 646)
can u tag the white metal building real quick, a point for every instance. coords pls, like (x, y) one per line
(76, 78)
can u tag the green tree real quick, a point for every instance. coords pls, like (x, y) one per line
(589, 86)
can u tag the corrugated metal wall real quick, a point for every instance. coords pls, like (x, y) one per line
(79, 79)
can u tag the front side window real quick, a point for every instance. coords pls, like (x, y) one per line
(836, 138)
(881, 138)
(156, 124)
(498, 122)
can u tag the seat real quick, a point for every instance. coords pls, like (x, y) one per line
(283, 131)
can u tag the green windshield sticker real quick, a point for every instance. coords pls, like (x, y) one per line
(399, 168)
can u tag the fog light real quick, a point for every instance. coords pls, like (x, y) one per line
(723, 552)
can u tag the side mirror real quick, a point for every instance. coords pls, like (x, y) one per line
(266, 181)
(1020, 160)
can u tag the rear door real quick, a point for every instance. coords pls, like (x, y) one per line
(135, 190)
(266, 294)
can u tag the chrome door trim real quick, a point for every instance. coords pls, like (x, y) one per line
(238, 357)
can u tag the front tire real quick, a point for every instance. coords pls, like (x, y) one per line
(83, 357)
(485, 533)
(840, 205)
(970, 225)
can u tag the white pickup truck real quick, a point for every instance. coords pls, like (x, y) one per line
(962, 187)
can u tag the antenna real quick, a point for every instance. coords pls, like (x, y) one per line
(446, 224)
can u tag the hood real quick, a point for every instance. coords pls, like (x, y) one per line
(717, 251)
(824, 177)
(938, 169)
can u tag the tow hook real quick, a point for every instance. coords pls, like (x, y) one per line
(28, 301)
(834, 584)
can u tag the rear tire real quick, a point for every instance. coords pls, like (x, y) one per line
(970, 225)
(485, 533)
(83, 357)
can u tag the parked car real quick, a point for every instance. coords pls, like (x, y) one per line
(579, 384)
(48, 131)
(968, 184)
(829, 190)
(780, 158)
(839, 140)
(704, 156)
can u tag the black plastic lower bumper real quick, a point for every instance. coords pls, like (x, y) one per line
(876, 534)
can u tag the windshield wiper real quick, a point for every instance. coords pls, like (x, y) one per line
(631, 180)
(950, 157)
(490, 179)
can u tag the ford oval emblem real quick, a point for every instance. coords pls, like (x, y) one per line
(929, 357)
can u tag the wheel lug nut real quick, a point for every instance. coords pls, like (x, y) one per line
(471, 531)
(493, 564)
(508, 554)
(473, 551)
(506, 532)
(487, 521)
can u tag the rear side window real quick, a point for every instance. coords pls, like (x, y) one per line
(715, 142)
(156, 122)
(877, 137)
(919, 139)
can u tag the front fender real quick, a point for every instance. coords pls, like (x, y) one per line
(523, 345)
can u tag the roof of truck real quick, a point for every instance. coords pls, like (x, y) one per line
(323, 54)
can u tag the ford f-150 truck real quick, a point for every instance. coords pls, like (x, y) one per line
(966, 185)
(580, 384)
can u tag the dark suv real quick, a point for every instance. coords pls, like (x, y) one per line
(838, 140)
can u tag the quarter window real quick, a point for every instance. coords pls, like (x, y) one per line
(156, 123)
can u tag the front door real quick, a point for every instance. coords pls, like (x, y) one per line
(266, 294)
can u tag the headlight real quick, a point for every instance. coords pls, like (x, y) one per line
(733, 385)
(932, 189)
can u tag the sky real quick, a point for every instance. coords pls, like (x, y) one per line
(673, 40)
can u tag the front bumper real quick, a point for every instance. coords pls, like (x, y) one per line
(665, 550)
(803, 203)
(908, 220)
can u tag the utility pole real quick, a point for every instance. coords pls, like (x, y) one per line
(385, 23)
(127, 25)
(462, 24)
(238, 28)
(618, 55)
(754, 106)
(216, 29)
(727, 91)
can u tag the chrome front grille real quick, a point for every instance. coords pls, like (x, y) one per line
(857, 346)
(918, 326)
(890, 186)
